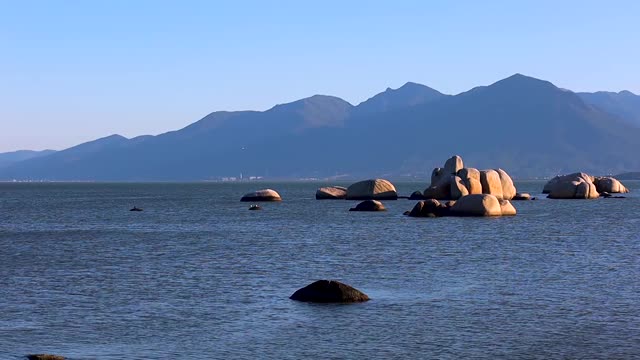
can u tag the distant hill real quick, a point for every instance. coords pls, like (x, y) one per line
(624, 104)
(527, 126)
(9, 158)
(628, 176)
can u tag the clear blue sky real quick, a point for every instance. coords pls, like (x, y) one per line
(73, 71)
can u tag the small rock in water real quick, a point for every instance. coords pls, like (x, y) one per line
(369, 205)
(135, 208)
(329, 291)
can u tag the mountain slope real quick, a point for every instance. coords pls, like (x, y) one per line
(527, 126)
(624, 104)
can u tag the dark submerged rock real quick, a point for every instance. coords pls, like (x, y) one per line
(369, 205)
(416, 195)
(522, 196)
(430, 208)
(44, 357)
(329, 291)
(135, 208)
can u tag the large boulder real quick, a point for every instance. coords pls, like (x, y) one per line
(609, 184)
(572, 186)
(491, 184)
(262, 195)
(508, 189)
(565, 178)
(331, 192)
(453, 164)
(477, 205)
(369, 205)
(373, 189)
(458, 188)
(329, 291)
(471, 179)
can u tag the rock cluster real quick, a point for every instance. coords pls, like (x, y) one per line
(469, 205)
(581, 186)
(454, 181)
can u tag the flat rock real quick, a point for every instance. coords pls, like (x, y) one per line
(372, 189)
(262, 195)
(331, 193)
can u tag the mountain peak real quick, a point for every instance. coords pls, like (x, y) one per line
(409, 94)
(316, 110)
(521, 80)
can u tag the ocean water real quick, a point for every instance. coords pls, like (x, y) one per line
(197, 275)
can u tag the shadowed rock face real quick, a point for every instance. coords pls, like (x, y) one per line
(369, 205)
(429, 208)
(416, 195)
(329, 291)
(262, 195)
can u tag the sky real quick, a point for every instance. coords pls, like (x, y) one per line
(74, 71)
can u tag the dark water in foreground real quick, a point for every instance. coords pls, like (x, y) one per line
(197, 275)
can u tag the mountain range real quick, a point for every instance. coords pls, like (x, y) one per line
(527, 126)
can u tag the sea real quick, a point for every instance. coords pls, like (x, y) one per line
(198, 276)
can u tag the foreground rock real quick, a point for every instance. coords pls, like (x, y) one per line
(572, 186)
(262, 195)
(329, 291)
(369, 205)
(454, 181)
(331, 193)
(44, 357)
(373, 189)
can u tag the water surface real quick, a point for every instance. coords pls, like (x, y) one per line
(198, 275)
